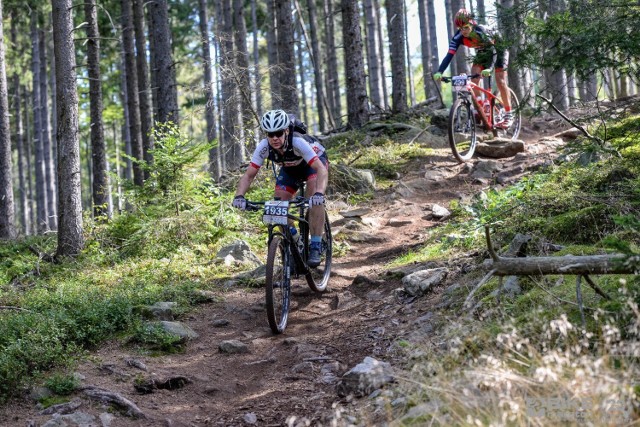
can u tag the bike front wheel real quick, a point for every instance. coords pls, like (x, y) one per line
(512, 131)
(278, 284)
(318, 277)
(462, 130)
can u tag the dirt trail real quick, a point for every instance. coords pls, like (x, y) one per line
(291, 377)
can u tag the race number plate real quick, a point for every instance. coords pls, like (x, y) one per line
(459, 82)
(275, 212)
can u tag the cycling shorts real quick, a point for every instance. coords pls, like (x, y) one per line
(290, 178)
(484, 58)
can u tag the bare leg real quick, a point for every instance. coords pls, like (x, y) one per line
(501, 82)
(475, 69)
(316, 213)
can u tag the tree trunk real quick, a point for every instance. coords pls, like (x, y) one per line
(242, 70)
(231, 146)
(481, 13)
(395, 28)
(317, 70)
(357, 102)
(383, 68)
(101, 191)
(461, 60)
(70, 238)
(331, 76)
(144, 98)
(272, 53)
(49, 168)
(373, 55)
(214, 153)
(41, 191)
(133, 100)
(286, 57)
(19, 136)
(302, 74)
(20, 146)
(29, 154)
(412, 91)
(433, 43)
(448, 13)
(7, 208)
(256, 61)
(162, 54)
(428, 84)
(126, 126)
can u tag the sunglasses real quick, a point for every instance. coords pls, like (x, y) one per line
(277, 134)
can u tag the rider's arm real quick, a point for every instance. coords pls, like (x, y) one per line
(322, 176)
(454, 44)
(246, 180)
(261, 152)
(310, 155)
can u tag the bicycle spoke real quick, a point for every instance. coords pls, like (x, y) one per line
(462, 130)
(277, 284)
(318, 277)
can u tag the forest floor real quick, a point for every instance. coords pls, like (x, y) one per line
(290, 379)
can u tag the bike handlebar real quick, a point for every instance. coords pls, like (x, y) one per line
(296, 202)
(471, 76)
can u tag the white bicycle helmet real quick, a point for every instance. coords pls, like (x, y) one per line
(275, 120)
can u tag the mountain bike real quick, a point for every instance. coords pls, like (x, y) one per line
(468, 115)
(285, 260)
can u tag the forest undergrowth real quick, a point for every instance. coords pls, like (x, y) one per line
(501, 363)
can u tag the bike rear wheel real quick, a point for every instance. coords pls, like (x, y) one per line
(462, 130)
(278, 284)
(512, 131)
(318, 277)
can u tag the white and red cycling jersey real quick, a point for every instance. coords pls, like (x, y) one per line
(297, 150)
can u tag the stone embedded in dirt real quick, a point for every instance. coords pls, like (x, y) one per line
(500, 149)
(136, 363)
(505, 176)
(355, 213)
(233, 346)
(485, 169)
(179, 329)
(365, 377)
(250, 418)
(218, 323)
(162, 310)
(399, 222)
(237, 253)
(439, 211)
(75, 419)
(62, 408)
(418, 283)
(360, 237)
(572, 133)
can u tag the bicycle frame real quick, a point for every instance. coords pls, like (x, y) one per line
(469, 91)
(275, 229)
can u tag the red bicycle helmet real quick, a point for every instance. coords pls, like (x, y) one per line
(462, 18)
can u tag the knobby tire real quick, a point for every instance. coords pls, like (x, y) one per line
(462, 130)
(318, 277)
(278, 284)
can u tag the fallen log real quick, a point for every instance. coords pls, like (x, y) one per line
(569, 264)
(581, 266)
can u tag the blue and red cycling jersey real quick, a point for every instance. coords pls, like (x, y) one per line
(484, 41)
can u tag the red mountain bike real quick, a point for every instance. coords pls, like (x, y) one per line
(467, 115)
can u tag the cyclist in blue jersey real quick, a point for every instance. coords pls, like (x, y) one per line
(301, 159)
(489, 56)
